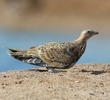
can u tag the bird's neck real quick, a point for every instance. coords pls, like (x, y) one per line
(81, 40)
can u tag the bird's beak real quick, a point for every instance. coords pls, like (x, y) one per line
(96, 33)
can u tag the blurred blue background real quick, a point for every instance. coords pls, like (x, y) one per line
(97, 51)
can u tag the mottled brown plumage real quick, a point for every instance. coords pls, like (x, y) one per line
(54, 54)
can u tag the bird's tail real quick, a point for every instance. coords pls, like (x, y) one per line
(18, 54)
(24, 56)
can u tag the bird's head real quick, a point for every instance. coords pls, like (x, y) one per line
(86, 34)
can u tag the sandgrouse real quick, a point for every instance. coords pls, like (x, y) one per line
(55, 55)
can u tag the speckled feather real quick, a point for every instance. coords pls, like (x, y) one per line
(53, 54)
(61, 54)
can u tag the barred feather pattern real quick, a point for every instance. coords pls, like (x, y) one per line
(35, 61)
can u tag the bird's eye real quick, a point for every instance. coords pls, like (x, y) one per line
(89, 31)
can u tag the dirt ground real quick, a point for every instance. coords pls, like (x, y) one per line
(81, 82)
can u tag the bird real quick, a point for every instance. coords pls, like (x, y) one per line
(55, 55)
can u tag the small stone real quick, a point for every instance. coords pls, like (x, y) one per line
(3, 87)
(101, 84)
(18, 82)
(91, 93)
(4, 76)
(77, 81)
(6, 84)
(2, 83)
(71, 89)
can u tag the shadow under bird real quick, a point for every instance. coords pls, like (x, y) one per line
(55, 55)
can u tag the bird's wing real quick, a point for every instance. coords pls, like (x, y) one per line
(32, 51)
(59, 54)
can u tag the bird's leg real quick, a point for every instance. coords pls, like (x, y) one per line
(52, 70)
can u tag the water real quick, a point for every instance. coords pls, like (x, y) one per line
(97, 51)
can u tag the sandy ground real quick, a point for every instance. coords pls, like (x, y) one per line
(82, 82)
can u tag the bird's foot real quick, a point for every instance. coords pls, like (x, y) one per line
(52, 70)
